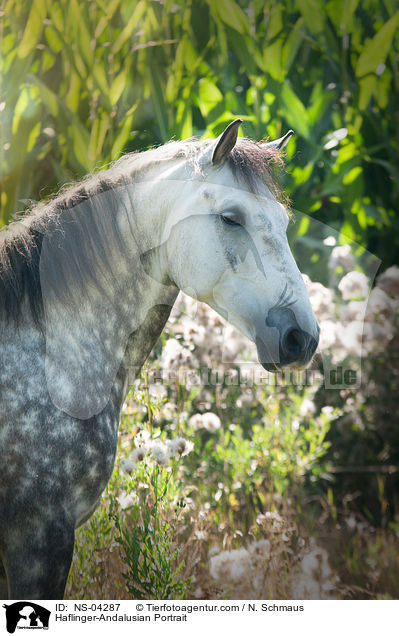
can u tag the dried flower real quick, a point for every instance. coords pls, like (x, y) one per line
(245, 400)
(389, 280)
(157, 391)
(315, 580)
(327, 334)
(160, 453)
(351, 337)
(138, 454)
(168, 410)
(260, 548)
(175, 356)
(376, 336)
(379, 305)
(295, 424)
(195, 421)
(353, 310)
(127, 466)
(321, 298)
(179, 447)
(211, 422)
(238, 566)
(142, 438)
(231, 566)
(341, 256)
(307, 408)
(126, 500)
(354, 285)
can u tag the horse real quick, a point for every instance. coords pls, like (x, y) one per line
(87, 282)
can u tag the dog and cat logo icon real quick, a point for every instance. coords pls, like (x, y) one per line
(26, 615)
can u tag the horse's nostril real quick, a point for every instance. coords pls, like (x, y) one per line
(293, 342)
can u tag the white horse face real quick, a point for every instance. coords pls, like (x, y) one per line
(233, 254)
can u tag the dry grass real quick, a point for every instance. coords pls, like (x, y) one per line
(347, 560)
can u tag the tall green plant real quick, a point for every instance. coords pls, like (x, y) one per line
(145, 538)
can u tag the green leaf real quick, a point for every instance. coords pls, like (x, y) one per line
(72, 98)
(56, 16)
(231, 14)
(184, 120)
(175, 77)
(27, 106)
(376, 50)
(105, 19)
(7, 43)
(48, 60)
(319, 100)
(190, 55)
(33, 135)
(79, 143)
(367, 87)
(313, 14)
(53, 39)
(85, 37)
(91, 151)
(292, 44)
(128, 30)
(303, 226)
(209, 96)
(157, 95)
(20, 107)
(341, 14)
(272, 60)
(295, 112)
(33, 29)
(301, 175)
(118, 85)
(352, 175)
(100, 78)
(97, 136)
(103, 129)
(48, 97)
(349, 8)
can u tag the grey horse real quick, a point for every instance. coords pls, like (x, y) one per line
(87, 282)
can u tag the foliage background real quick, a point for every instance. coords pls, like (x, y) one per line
(82, 81)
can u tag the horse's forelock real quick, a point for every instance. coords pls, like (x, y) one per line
(256, 163)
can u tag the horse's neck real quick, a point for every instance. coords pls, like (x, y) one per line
(147, 219)
(102, 324)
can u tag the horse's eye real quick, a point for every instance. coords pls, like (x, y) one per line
(231, 219)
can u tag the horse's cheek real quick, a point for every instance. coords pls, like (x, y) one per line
(196, 261)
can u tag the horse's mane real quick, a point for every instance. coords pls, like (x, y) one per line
(97, 234)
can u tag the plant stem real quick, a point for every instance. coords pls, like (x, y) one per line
(147, 391)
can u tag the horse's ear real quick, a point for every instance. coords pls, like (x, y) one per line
(226, 142)
(278, 144)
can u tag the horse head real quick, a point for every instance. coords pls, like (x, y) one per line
(228, 247)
